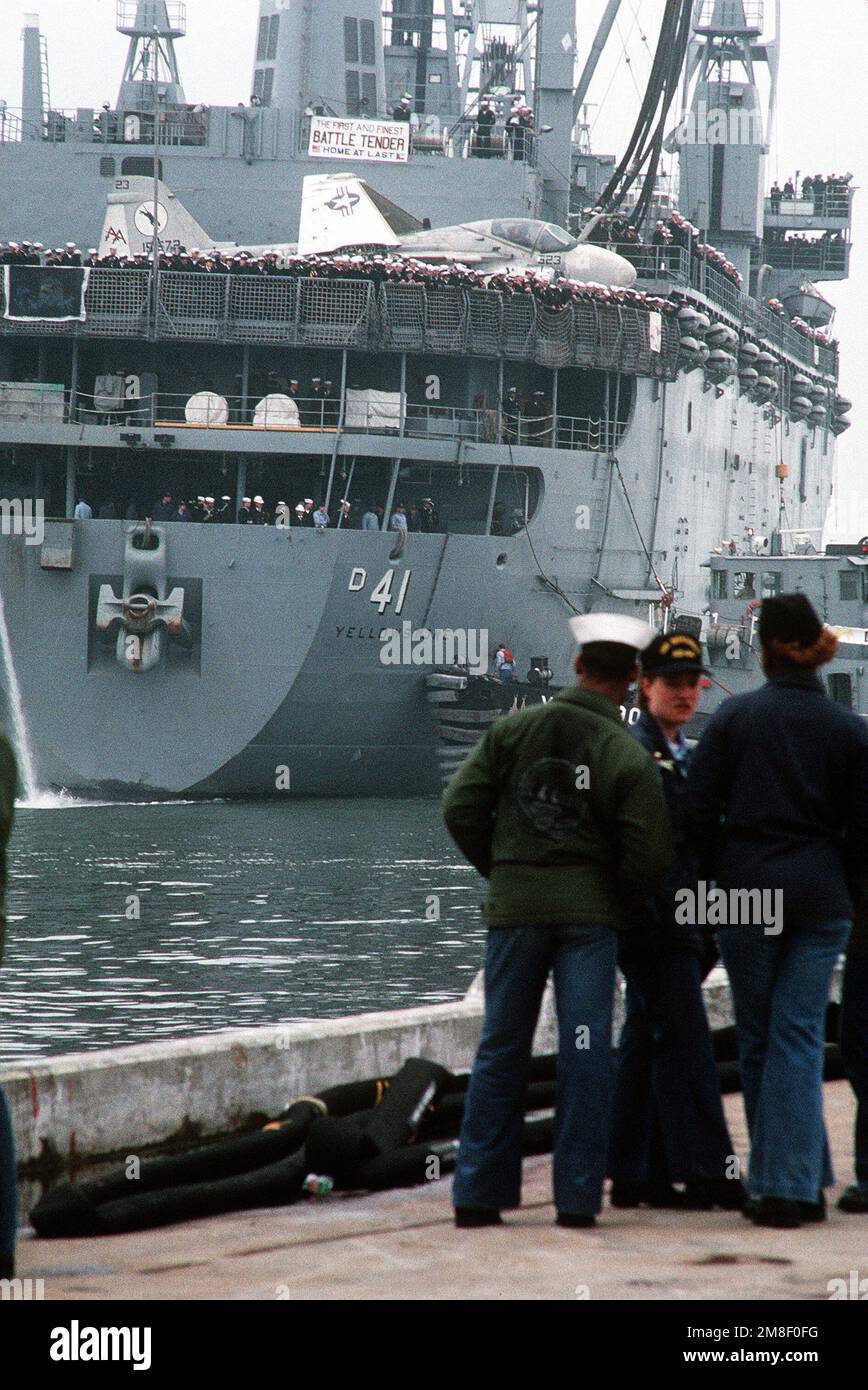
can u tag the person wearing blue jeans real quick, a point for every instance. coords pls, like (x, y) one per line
(777, 808)
(564, 814)
(854, 1051)
(517, 964)
(8, 1175)
(780, 990)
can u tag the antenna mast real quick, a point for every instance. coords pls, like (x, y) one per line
(152, 27)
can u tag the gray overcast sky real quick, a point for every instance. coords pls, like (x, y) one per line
(822, 124)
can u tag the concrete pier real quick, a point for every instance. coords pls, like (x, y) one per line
(402, 1245)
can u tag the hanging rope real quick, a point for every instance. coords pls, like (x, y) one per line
(667, 596)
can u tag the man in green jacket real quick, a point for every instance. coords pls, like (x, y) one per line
(8, 1176)
(564, 813)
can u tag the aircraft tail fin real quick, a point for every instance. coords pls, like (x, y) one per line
(340, 210)
(128, 229)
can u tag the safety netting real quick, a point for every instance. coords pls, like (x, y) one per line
(117, 302)
(193, 306)
(446, 319)
(519, 326)
(484, 321)
(335, 313)
(554, 336)
(402, 317)
(263, 309)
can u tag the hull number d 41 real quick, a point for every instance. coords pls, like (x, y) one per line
(385, 592)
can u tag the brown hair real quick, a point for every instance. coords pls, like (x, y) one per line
(807, 658)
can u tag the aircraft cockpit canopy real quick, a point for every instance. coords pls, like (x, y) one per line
(543, 237)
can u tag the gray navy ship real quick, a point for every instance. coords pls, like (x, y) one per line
(677, 417)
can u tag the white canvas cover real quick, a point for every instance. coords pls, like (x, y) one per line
(370, 409)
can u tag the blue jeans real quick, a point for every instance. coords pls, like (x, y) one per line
(517, 964)
(854, 1050)
(8, 1181)
(780, 990)
(668, 1121)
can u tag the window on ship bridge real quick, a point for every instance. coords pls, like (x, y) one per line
(719, 584)
(848, 586)
(770, 584)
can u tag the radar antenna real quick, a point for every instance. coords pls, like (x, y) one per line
(152, 27)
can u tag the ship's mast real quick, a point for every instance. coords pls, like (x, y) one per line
(722, 137)
(553, 103)
(152, 27)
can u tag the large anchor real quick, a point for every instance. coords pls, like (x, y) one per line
(145, 612)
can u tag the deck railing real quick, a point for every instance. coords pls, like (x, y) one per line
(179, 411)
(324, 313)
(398, 316)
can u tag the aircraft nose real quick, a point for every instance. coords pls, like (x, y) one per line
(589, 262)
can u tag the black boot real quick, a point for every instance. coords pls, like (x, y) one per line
(576, 1219)
(814, 1211)
(7, 1266)
(854, 1198)
(471, 1217)
(782, 1212)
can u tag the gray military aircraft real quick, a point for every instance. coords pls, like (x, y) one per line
(340, 212)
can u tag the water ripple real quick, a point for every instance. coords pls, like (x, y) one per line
(311, 910)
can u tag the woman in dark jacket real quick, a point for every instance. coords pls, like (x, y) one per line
(777, 802)
(669, 1124)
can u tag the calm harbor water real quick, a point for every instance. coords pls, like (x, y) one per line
(249, 913)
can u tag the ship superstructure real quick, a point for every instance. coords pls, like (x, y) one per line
(155, 657)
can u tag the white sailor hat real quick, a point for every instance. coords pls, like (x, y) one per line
(226, 497)
(299, 506)
(308, 501)
(200, 498)
(257, 498)
(281, 504)
(70, 246)
(209, 499)
(245, 499)
(611, 627)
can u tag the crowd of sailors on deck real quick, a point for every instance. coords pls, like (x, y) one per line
(617, 233)
(381, 269)
(678, 233)
(253, 511)
(828, 192)
(817, 335)
(808, 251)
